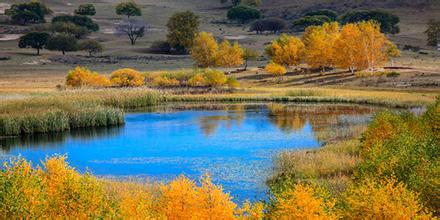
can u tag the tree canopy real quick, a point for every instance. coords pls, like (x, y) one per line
(182, 29)
(80, 20)
(273, 25)
(63, 43)
(128, 9)
(302, 23)
(433, 33)
(36, 40)
(326, 12)
(29, 12)
(387, 21)
(91, 46)
(243, 13)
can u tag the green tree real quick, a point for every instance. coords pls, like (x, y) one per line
(182, 29)
(91, 46)
(69, 28)
(433, 33)
(243, 13)
(30, 12)
(86, 9)
(80, 20)
(128, 8)
(63, 43)
(36, 40)
(328, 13)
(388, 22)
(301, 24)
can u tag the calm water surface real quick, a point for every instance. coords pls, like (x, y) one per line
(233, 143)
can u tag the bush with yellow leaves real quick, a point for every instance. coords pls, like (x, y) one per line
(275, 69)
(197, 80)
(163, 81)
(385, 199)
(127, 77)
(83, 77)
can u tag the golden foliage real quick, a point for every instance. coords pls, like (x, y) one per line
(385, 199)
(204, 50)
(81, 76)
(275, 69)
(127, 77)
(286, 50)
(373, 44)
(214, 77)
(229, 56)
(320, 45)
(303, 202)
(197, 80)
(165, 81)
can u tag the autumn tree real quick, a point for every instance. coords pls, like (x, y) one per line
(229, 56)
(286, 50)
(373, 44)
(392, 52)
(276, 69)
(128, 8)
(319, 45)
(204, 50)
(347, 48)
(35, 40)
(182, 29)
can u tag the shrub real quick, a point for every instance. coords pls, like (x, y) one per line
(275, 69)
(160, 47)
(127, 77)
(303, 202)
(385, 199)
(243, 13)
(81, 76)
(85, 9)
(273, 25)
(165, 81)
(232, 82)
(215, 78)
(197, 80)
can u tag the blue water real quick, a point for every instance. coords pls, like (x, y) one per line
(234, 145)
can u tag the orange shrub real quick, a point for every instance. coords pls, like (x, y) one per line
(127, 77)
(81, 76)
(197, 80)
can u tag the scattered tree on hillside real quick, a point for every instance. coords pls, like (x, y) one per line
(328, 13)
(319, 44)
(80, 20)
(433, 33)
(273, 25)
(302, 23)
(243, 13)
(387, 21)
(249, 54)
(182, 29)
(36, 40)
(204, 50)
(69, 28)
(63, 43)
(29, 12)
(255, 3)
(129, 8)
(91, 46)
(229, 56)
(134, 29)
(286, 50)
(86, 9)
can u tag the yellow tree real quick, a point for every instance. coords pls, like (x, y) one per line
(392, 52)
(229, 56)
(286, 50)
(319, 45)
(347, 48)
(276, 69)
(204, 50)
(373, 44)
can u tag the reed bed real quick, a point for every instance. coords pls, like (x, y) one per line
(53, 112)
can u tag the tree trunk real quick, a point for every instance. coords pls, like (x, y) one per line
(245, 65)
(64, 52)
(38, 51)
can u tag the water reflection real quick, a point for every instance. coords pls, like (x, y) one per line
(57, 139)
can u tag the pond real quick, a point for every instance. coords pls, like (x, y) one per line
(234, 143)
